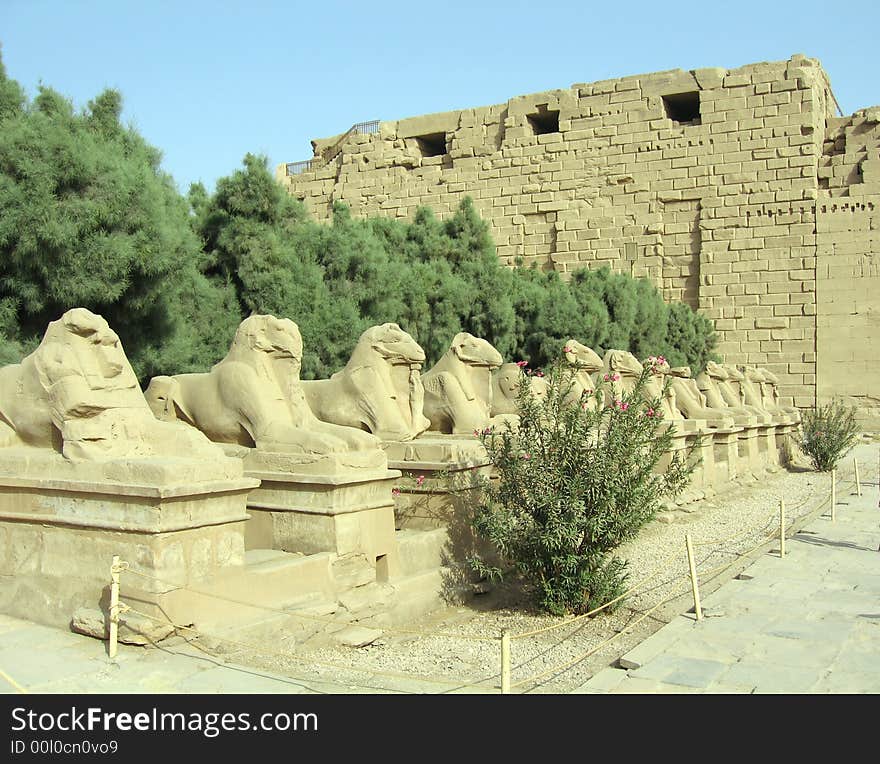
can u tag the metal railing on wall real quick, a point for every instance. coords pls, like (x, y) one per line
(295, 168)
(329, 154)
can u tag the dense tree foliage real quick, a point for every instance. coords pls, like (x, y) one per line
(87, 218)
(434, 278)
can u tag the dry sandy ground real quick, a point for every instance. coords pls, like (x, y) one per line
(727, 530)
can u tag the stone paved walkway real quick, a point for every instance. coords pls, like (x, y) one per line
(805, 623)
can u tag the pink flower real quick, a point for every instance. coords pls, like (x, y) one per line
(584, 406)
(395, 492)
(527, 456)
(487, 431)
(522, 364)
(650, 412)
(566, 349)
(539, 373)
(624, 406)
(605, 377)
(420, 480)
(615, 377)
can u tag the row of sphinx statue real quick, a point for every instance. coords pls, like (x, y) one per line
(721, 396)
(78, 395)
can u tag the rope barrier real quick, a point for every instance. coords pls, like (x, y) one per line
(738, 536)
(305, 660)
(18, 688)
(307, 617)
(740, 555)
(583, 616)
(535, 657)
(563, 666)
(710, 574)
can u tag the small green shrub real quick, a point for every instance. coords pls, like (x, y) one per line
(828, 433)
(575, 479)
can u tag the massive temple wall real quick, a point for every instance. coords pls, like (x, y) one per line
(737, 191)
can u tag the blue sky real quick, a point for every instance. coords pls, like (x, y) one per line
(207, 82)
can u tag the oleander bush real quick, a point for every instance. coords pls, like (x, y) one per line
(575, 479)
(827, 433)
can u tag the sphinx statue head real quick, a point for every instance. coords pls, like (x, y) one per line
(460, 387)
(623, 363)
(254, 398)
(717, 371)
(393, 344)
(580, 356)
(587, 364)
(77, 393)
(474, 351)
(380, 389)
(508, 380)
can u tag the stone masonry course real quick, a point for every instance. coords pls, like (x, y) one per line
(737, 191)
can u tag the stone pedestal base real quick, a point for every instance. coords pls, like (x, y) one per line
(767, 448)
(725, 446)
(679, 442)
(62, 523)
(751, 462)
(785, 441)
(703, 478)
(442, 475)
(435, 448)
(309, 513)
(439, 473)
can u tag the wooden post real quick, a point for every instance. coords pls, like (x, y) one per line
(505, 663)
(114, 606)
(833, 495)
(695, 586)
(782, 527)
(858, 482)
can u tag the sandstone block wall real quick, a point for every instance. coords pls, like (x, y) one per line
(709, 182)
(848, 264)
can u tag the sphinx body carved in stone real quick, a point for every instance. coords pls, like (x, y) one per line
(587, 364)
(753, 394)
(459, 387)
(659, 385)
(770, 392)
(745, 389)
(254, 398)
(714, 383)
(620, 370)
(620, 373)
(758, 392)
(380, 389)
(77, 394)
(692, 403)
(506, 381)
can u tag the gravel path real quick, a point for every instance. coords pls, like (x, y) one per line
(727, 531)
